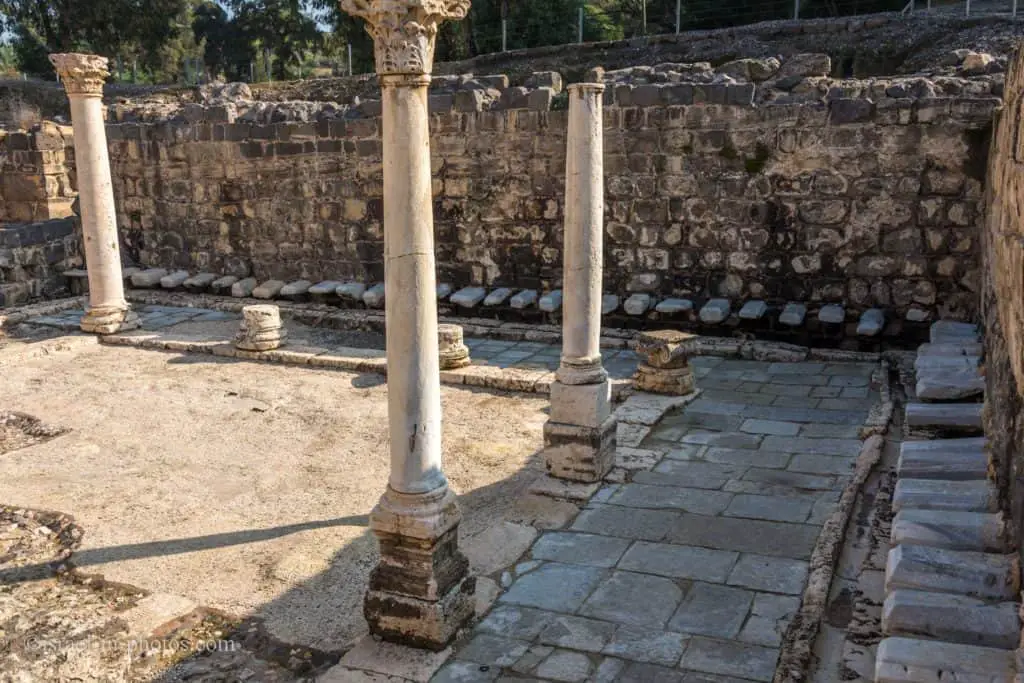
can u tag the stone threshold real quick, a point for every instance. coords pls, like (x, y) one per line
(611, 338)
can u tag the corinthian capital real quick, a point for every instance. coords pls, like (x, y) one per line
(81, 74)
(404, 31)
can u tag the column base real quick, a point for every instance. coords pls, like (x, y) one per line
(671, 381)
(455, 358)
(420, 592)
(109, 320)
(580, 453)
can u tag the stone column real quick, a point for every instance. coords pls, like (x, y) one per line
(579, 438)
(83, 77)
(420, 592)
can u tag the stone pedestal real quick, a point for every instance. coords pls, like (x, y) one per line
(667, 368)
(261, 329)
(83, 77)
(453, 352)
(579, 439)
(420, 593)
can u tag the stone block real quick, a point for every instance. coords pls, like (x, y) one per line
(545, 79)
(951, 618)
(638, 644)
(771, 574)
(806, 65)
(680, 562)
(634, 599)
(578, 548)
(952, 463)
(554, 586)
(566, 665)
(674, 306)
(470, 100)
(982, 575)
(730, 658)
(587, 405)
(148, 278)
(712, 610)
(577, 633)
(872, 322)
(325, 288)
(715, 311)
(468, 297)
(540, 99)
(909, 660)
(967, 348)
(524, 299)
(918, 315)
(157, 615)
(387, 659)
(833, 314)
(952, 416)
(609, 303)
(498, 297)
(295, 290)
(579, 453)
(551, 302)
(793, 314)
(351, 291)
(174, 280)
(223, 285)
(753, 310)
(638, 304)
(374, 296)
(948, 384)
(200, 282)
(940, 494)
(243, 288)
(268, 290)
(949, 331)
(950, 529)
(958, 363)
(444, 290)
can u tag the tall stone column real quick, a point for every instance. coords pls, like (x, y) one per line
(579, 438)
(83, 77)
(420, 592)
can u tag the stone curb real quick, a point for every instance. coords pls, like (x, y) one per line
(795, 657)
(881, 413)
(612, 338)
(20, 314)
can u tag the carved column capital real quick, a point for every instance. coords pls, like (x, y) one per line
(81, 74)
(404, 31)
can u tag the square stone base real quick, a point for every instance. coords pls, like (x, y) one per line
(579, 453)
(427, 624)
(587, 405)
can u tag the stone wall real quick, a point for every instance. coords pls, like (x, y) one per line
(33, 257)
(36, 174)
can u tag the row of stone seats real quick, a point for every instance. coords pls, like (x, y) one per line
(713, 312)
(951, 582)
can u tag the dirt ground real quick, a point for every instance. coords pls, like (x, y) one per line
(246, 486)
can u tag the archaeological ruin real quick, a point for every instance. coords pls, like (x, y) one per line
(691, 358)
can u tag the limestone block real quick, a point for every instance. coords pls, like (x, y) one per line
(793, 314)
(638, 304)
(958, 363)
(579, 453)
(157, 614)
(951, 464)
(498, 297)
(296, 289)
(983, 575)
(674, 306)
(374, 296)
(939, 494)
(268, 290)
(243, 288)
(174, 280)
(715, 311)
(325, 288)
(444, 290)
(126, 273)
(950, 331)
(950, 349)
(962, 416)
(200, 282)
(551, 302)
(918, 315)
(453, 352)
(951, 618)
(908, 660)
(351, 291)
(545, 79)
(524, 299)
(148, 278)
(469, 297)
(949, 529)
(261, 329)
(833, 314)
(587, 405)
(223, 285)
(609, 303)
(753, 310)
(540, 99)
(944, 384)
(872, 321)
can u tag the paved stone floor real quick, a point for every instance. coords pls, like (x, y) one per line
(692, 571)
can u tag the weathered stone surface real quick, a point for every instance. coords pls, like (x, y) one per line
(374, 296)
(715, 311)
(908, 660)
(950, 529)
(325, 288)
(174, 280)
(148, 278)
(982, 575)
(646, 645)
(712, 610)
(949, 331)
(957, 462)
(637, 304)
(960, 416)
(832, 314)
(941, 494)
(951, 618)
(294, 290)
(261, 329)
(634, 600)
(609, 304)
(351, 291)
(793, 314)
(524, 299)
(243, 288)
(679, 561)
(753, 310)
(580, 548)
(443, 290)
(268, 290)
(938, 384)
(950, 349)
(729, 658)
(468, 297)
(200, 282)
(551, 302)
(871, 322)
(498, 297)
(673, 306)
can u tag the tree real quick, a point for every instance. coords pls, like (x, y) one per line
(280, 26)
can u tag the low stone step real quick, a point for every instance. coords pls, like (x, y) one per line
(674, 306)
(269, 289)
(468, 297)
(793, 314)
(948, 384)
(715, 311)
(498, 297)
(174, 280)
(444, 290)
(833, 314)
(909, 660)
(917, 315)
(958, 416)
(982, 575)
(325, 288)
(638, 304)
(374, 296)
(200, 282)
(953, 464)
(981, 531)
(966, 348)
(958, 363)
(872, 321)
(551, 302)
(609, 303)
(951, 618)
(223, 285)
(351, 291)
(126, 273)
(950, 331)
(753, 310)
(524, 299)
(294, 290)
(962, 445)
(937, 494)
(148, 278)
(243, 288)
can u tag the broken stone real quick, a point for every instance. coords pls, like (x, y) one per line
(638, 304)
(793, 314)
(148, 278)
(453, 352)
(261, 329)
(268, 290)
(551, 302)
(374, 296)
(468, 297)
(715, 311)
(753, 310)
(174, 280)
(674, 306)
(498, 296)
(444, 290)
(872, 321)
(833, 314)
(806, 65)
(667, 369)
(524, 299)
(243, 288)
